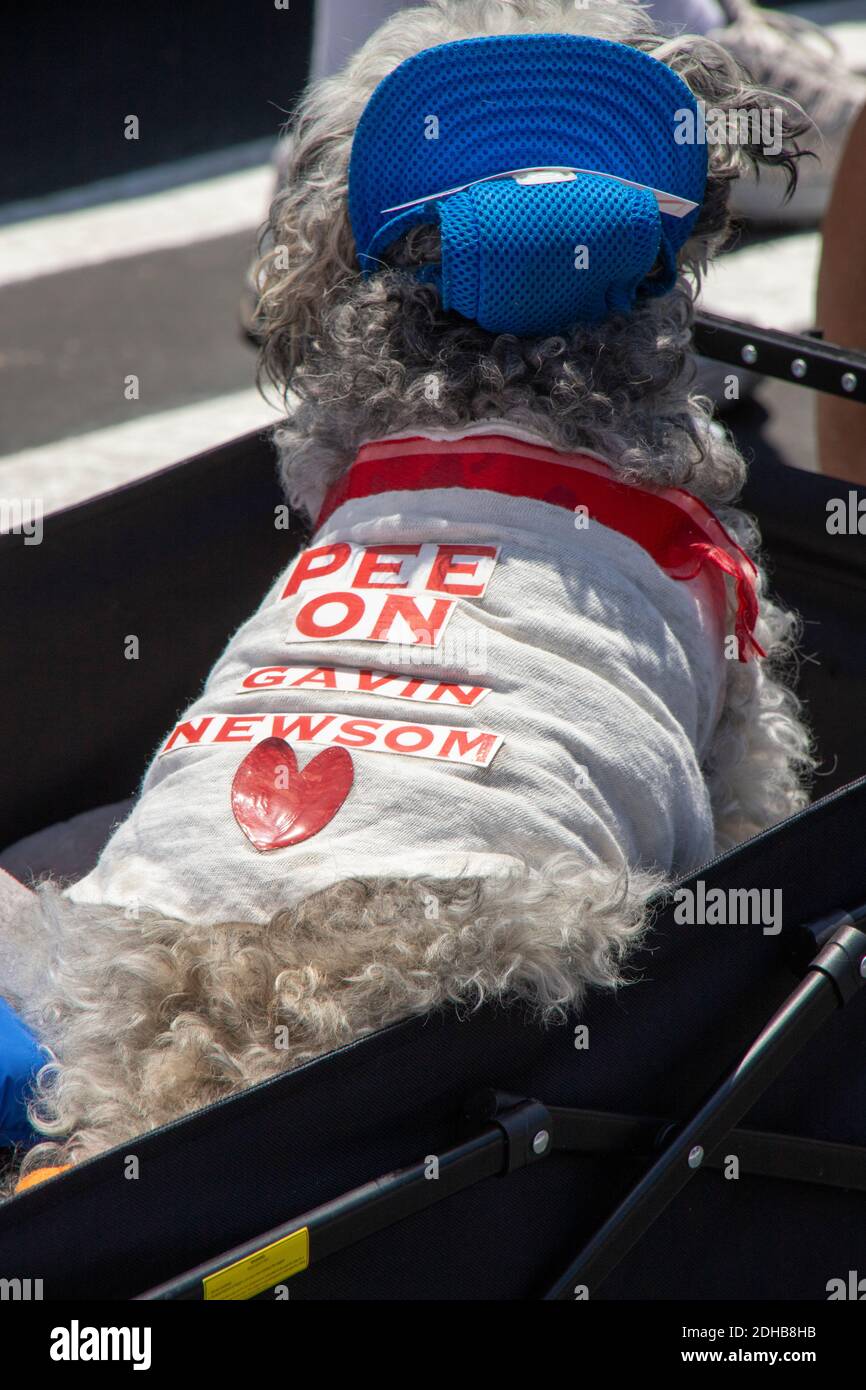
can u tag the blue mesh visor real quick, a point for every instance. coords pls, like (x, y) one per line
(531, 257)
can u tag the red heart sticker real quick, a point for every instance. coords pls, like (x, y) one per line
(276, 805)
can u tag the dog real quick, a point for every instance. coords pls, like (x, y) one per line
(495, 703)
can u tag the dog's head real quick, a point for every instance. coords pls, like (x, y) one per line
(396, 330)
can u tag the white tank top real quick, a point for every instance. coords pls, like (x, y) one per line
(464, 667)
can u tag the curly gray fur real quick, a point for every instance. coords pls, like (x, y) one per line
(151, 1018)
(356, 358)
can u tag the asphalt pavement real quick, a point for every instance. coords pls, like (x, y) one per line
(141, 276)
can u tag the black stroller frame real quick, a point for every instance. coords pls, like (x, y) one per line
(521, 1131)
(803, 359)
(498, 1132)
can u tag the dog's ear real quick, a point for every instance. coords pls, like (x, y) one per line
(745, 126)
(307, 244)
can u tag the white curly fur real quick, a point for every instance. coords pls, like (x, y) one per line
(149, 1018)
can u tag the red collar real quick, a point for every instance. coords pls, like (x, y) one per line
(679, 531)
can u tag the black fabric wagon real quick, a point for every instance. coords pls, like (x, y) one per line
(700, 1135)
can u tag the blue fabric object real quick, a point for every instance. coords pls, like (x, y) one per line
(512, 256)
(595, 239)
(20, 1059)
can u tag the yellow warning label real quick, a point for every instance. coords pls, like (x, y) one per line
(255, 1273)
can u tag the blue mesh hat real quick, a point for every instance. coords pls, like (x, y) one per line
(550, 163)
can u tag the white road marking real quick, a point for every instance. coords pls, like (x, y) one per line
(771, 284)
(60, 474)
(845, 21)
(176, 217)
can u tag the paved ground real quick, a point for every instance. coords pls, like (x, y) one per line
(147, 282)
